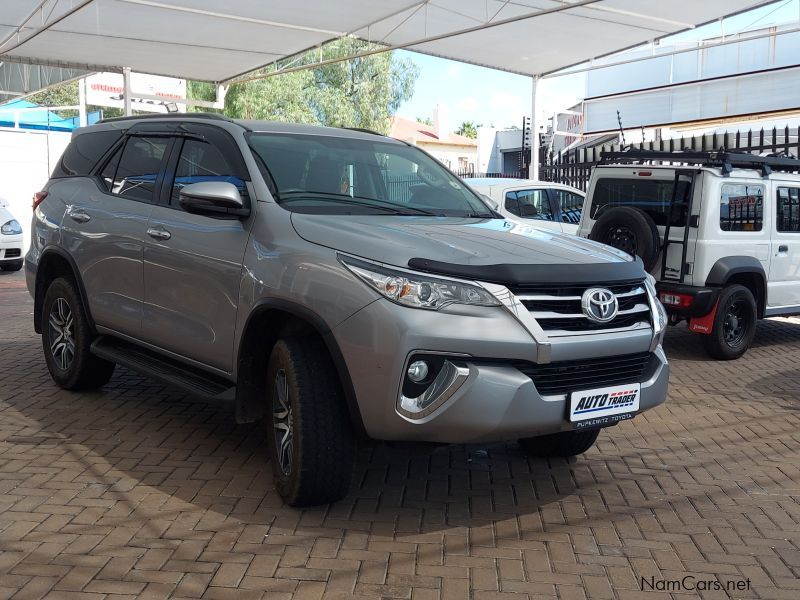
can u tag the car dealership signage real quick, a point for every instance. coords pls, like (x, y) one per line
(107, 89)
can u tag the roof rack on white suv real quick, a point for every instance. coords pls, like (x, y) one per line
(723, 159)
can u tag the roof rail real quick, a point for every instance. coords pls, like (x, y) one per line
(192, 115)
(365, 130)
(722, 158)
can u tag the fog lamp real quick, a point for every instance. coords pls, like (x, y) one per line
(417, 371)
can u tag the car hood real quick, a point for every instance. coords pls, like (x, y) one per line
(432, 243)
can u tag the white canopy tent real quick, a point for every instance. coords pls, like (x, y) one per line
(224, 42)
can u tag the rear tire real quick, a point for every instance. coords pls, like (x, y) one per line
(564, 443)
(67, 338)
(12, 266)
(311, 442)
(734, 324)
(631, 230)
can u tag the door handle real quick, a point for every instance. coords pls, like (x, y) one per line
(783, 248)
(159, 233)
(79, 216)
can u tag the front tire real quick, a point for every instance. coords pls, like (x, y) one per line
(734, 324)
(564, 443)
(67, 338)
(311, 442)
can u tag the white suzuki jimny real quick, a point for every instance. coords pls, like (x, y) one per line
(720, 232)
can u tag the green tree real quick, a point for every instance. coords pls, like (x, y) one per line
(363, 92)
(425, 121)
(468, 129)
(66, 94)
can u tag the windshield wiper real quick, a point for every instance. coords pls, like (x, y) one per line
(356, 201)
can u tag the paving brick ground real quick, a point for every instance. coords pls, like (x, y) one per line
(138, 490)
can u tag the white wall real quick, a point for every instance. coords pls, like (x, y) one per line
(449, 154)
(487, 150)
(26, 160)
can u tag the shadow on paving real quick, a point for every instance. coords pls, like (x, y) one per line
(137, 437)
(167, 469)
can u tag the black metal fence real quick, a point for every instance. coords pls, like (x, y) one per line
(494, 175)
(575, 166)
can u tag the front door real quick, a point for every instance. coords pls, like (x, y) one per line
(783, 289)
(104, 228)
(193, 262)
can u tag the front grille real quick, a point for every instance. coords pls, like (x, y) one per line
(13, 253)
(560, 378)
(558, 309)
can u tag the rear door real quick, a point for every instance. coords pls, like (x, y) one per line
(104, 229)
(649, 190)
(783, 289)
(193, 262)
(532, 204)
(569, 205)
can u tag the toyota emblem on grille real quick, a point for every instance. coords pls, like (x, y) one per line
(599, 305)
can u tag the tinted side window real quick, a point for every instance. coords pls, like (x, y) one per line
(788, 210)
(571, 206)
(741, 207)
(139, 166)
(653, 196)
(199, 162)
(84, 151)
(511, 203)
(534, 204)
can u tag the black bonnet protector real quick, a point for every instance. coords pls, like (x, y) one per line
(514, 275)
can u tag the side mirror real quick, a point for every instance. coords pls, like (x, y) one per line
(213, 198)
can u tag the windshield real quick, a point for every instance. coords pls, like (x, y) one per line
(339, 175)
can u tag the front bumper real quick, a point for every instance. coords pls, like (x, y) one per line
(497, 401)
(10, 248)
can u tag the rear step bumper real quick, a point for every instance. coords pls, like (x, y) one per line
(703, 298)
(190, 379)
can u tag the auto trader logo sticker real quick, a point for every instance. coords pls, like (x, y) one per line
(603, 402)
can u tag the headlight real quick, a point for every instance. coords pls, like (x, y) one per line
(659, 312)
(417, 290)
(11, 227)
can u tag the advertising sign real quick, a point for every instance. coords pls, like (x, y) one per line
(106, 89)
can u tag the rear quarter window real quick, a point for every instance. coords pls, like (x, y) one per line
(741, 207)
(84, 152)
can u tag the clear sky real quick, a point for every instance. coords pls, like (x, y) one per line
(489, 97)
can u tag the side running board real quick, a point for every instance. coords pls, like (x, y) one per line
(190, 379)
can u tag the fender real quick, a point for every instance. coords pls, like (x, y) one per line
(322, 329)
(38, 298)
(727, 267)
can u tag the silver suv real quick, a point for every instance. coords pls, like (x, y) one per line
(336, 284)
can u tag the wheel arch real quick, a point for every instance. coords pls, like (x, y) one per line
(56, 262)
(267, 322)
(744, 270)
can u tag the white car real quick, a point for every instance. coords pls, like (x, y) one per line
(10, 241)
(552, 205)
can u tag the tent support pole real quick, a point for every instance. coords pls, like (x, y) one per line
(533, 171)
(126, 90)
(82, 102)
